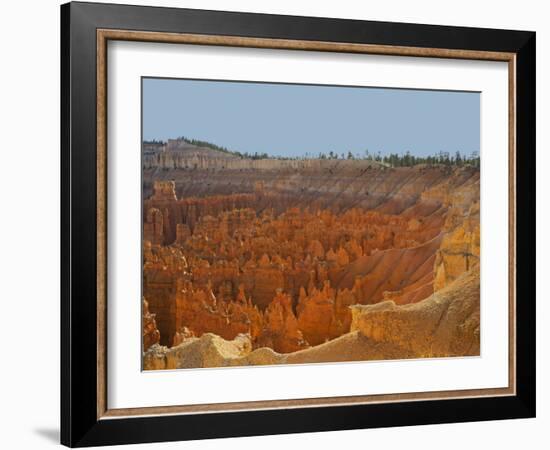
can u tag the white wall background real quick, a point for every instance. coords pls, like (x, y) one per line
(29, 224)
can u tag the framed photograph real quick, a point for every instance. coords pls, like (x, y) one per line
(277, 224)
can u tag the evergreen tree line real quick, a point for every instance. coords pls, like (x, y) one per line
(392, 160)
(212, 146)
(404, 159)
(207, 144)
(441, 158)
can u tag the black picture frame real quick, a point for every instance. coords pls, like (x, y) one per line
(80, 425)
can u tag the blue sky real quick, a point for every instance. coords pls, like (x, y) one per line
(292, 120)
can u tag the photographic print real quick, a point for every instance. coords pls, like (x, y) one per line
(296, 224)
(297, 199)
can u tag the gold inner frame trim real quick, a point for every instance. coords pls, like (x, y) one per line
(103, 36)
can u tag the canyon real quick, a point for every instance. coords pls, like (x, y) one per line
(274, 261)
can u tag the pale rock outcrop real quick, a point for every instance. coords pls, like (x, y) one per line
(444, 324)
(213, 351)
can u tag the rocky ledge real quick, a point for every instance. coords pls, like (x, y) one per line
(444, 324)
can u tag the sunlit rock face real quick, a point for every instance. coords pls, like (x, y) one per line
(286, 255)
(280, 330)
(460, 248)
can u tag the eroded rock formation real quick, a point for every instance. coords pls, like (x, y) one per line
(151, 335)
(283, 255)
(444, 324)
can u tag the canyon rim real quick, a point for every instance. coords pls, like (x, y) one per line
(287, 223)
